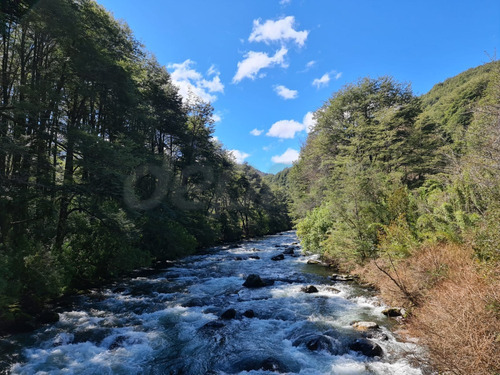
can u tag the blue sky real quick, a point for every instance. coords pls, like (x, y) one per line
(267, 65)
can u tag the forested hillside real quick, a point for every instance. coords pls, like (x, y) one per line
(103, 167)
(405, 191)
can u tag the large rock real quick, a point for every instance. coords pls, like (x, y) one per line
(364, 326)
(367, 348)
(228, 314)
(310, 289)
(393, 312)
(278, 257)
(288, 251)
(254, 281)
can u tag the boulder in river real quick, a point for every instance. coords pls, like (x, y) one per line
(228, 314)
(367, 348)
(254, 257)
(249, 314)
(338, 277)
(364, 326)
(278, 257)
(288, 251)
(254, 281)
(315, 342)
(313, 261)
(310, 289)
(393, 312)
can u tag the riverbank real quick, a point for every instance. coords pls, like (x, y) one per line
(452, 304)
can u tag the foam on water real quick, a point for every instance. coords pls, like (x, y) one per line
(169, 323)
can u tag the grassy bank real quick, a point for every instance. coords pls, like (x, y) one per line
(452, 304)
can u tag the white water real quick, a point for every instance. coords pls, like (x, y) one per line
(155, 325)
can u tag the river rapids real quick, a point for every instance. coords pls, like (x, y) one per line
(170, 322)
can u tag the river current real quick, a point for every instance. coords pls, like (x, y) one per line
(170, 322)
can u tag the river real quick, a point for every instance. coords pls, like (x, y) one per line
(170, 322)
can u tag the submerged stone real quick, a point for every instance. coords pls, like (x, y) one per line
(272, 364)
(316, 342)
(367, 348)
(249, 314)
(364, 326)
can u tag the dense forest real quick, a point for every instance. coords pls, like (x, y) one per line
(103, 167)
(404, 190)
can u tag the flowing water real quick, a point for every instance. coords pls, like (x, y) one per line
(169, 323)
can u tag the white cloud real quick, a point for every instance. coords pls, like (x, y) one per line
(255, 61)
(309, 122)
(238, 155)
(212, 70)
(326, 78)
(189, 81)
(215, 85)
(256, 132)
(321, 82)
(285, 129)
(216, 117)
(288, 157)
(285, 2)
(280, 30)
(310, 64)
(286, 93)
